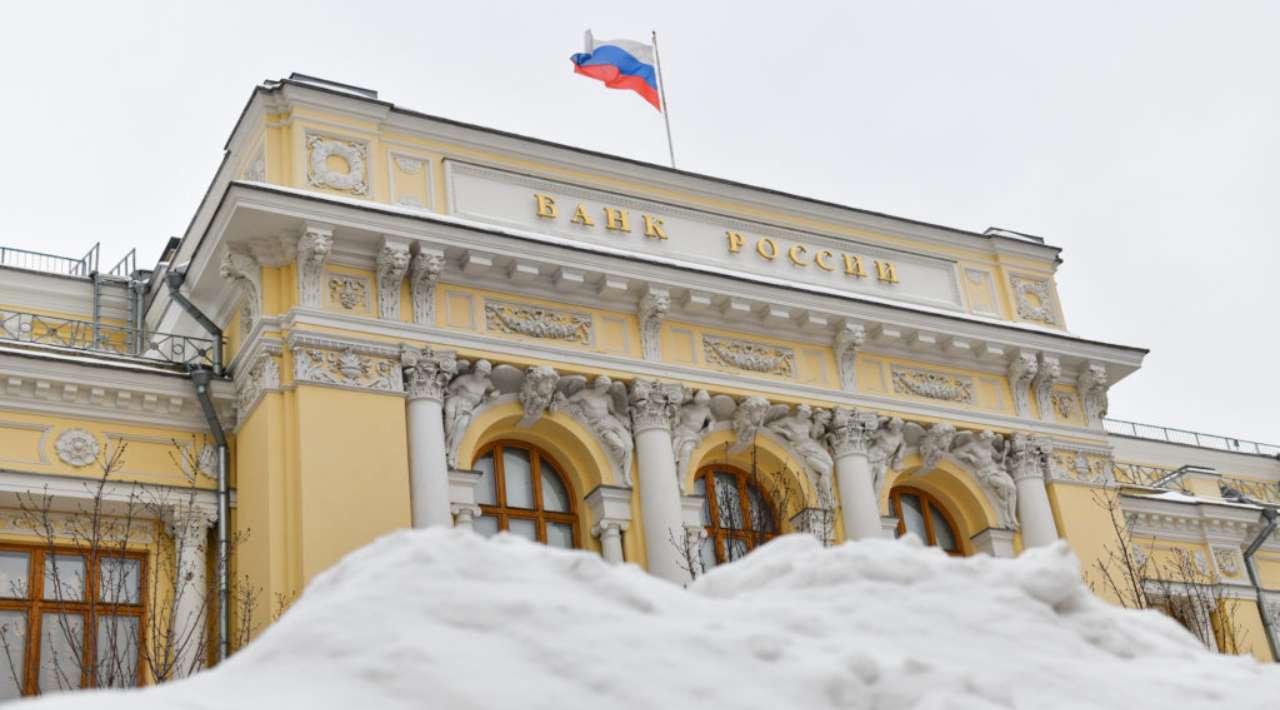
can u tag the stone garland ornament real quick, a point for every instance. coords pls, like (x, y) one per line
(536, 322)
(424, 274)
(749, 356)
(77, 447)
(392, 263)
(932, 385)
(354, 154)
(847, 341)
(653, 308)
(1022, 371)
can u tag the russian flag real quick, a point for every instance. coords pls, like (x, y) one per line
(620, 64)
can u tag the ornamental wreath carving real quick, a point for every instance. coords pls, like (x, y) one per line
(77, 447)
(535, 322)
(354, 154)
(749, 356)
(932, 385)
(1041, 310)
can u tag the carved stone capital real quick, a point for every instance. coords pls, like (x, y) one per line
(653, 308)
(189, 522)
(427, 372)
(425, 272)
(654, 404)
(1026, 457)
(848, 339)
(850, 432)
(313, 251)
(392, 263)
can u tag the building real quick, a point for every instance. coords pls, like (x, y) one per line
(392, 319)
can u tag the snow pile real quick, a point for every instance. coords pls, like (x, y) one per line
(446, 619)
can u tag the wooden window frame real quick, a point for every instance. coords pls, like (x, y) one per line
(36, 606)
(720, 535)
(927, 501)
(539, 514)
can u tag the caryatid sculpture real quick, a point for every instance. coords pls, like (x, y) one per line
(804, 433)
(692, 422)
(464, 393)
(603, 408)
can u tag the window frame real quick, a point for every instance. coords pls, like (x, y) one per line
(928, 501)
(35, 606)
(539, 514)
(721, 535)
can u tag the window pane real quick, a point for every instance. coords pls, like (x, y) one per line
(761, 514)
(560, 535)
(119, 581)
(518, 473)
(737, 549)
(64, 577)
(728, 501)
(485, 491)
(527, 529)
(554, 496)
(700, 489)
(61, 643)
(707, 551)
(485, 525)
(913, 516)
(946, 539)
(13, 640)
(13, 574)
(117, 652)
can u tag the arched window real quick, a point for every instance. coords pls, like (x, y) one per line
(523, 493)
(922, 514)
(737, 513)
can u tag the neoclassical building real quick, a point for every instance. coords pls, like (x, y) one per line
(379, 319)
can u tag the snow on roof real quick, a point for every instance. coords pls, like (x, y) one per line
(446, 619)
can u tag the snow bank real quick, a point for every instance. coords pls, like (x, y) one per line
(445, 619)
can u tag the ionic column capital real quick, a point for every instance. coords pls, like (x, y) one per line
(850, 431)
(427, 372)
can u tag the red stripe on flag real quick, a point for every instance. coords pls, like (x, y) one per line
(614, 79)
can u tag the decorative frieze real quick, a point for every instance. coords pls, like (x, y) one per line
(321, 173)
(1034, 299)
(312, 252)
(653, 308)
(1022, 371)
(749, 356)
(424, 274)
(322, 361)
(77, 447)
(538, 322)
(933, 385)
(392, 263)
(848, 339)
(1081, 465)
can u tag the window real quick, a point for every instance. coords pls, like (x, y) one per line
(521, 491)
(922, 514)
(737, 513)
(68, 619)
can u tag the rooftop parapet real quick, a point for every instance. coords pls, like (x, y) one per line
(1187, 437)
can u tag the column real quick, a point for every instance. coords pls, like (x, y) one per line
(610, 517)
(189, 525)
(462, 498)
(848, 436)
(1027, 462)
(652, 407)
(426, 374)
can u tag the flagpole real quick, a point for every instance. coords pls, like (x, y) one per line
(662, 92)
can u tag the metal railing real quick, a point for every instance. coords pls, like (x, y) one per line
(51, 263)
(1191, 438)
(126, 266)
(114, 339)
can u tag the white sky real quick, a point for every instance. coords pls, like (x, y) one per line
(1142, 137)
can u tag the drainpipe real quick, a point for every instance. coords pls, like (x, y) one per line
(1268, 513)
(202, 377)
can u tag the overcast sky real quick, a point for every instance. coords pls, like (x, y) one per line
(1142, 137)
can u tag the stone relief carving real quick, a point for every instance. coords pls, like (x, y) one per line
(804, 430)
(1201, 564)
(77, 447)
(653, 308)
(984, 454)
(1048, 372)
(1092, 386)
(425, 273)
(350, 292)
(654, 405)
(888, 446)
(748, 417)
(427, 372)
(407, 164)
(354, 153)
(347, 367)
(536, 392)
(1041, 309)
(749, 356)
(243, 271)
(1079, 465)
(207, 461)
(392, 263)
(1228, 560)
(933, 385)
(537, 322)
(847, 341)
(693, 421)
(465, 392)
(1022, 371)
(1026, 456)
(263, 376)
(1064, 403)
(603, 408)
(313, 250)
(257, 170)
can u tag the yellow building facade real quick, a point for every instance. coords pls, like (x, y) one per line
(379, 319)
